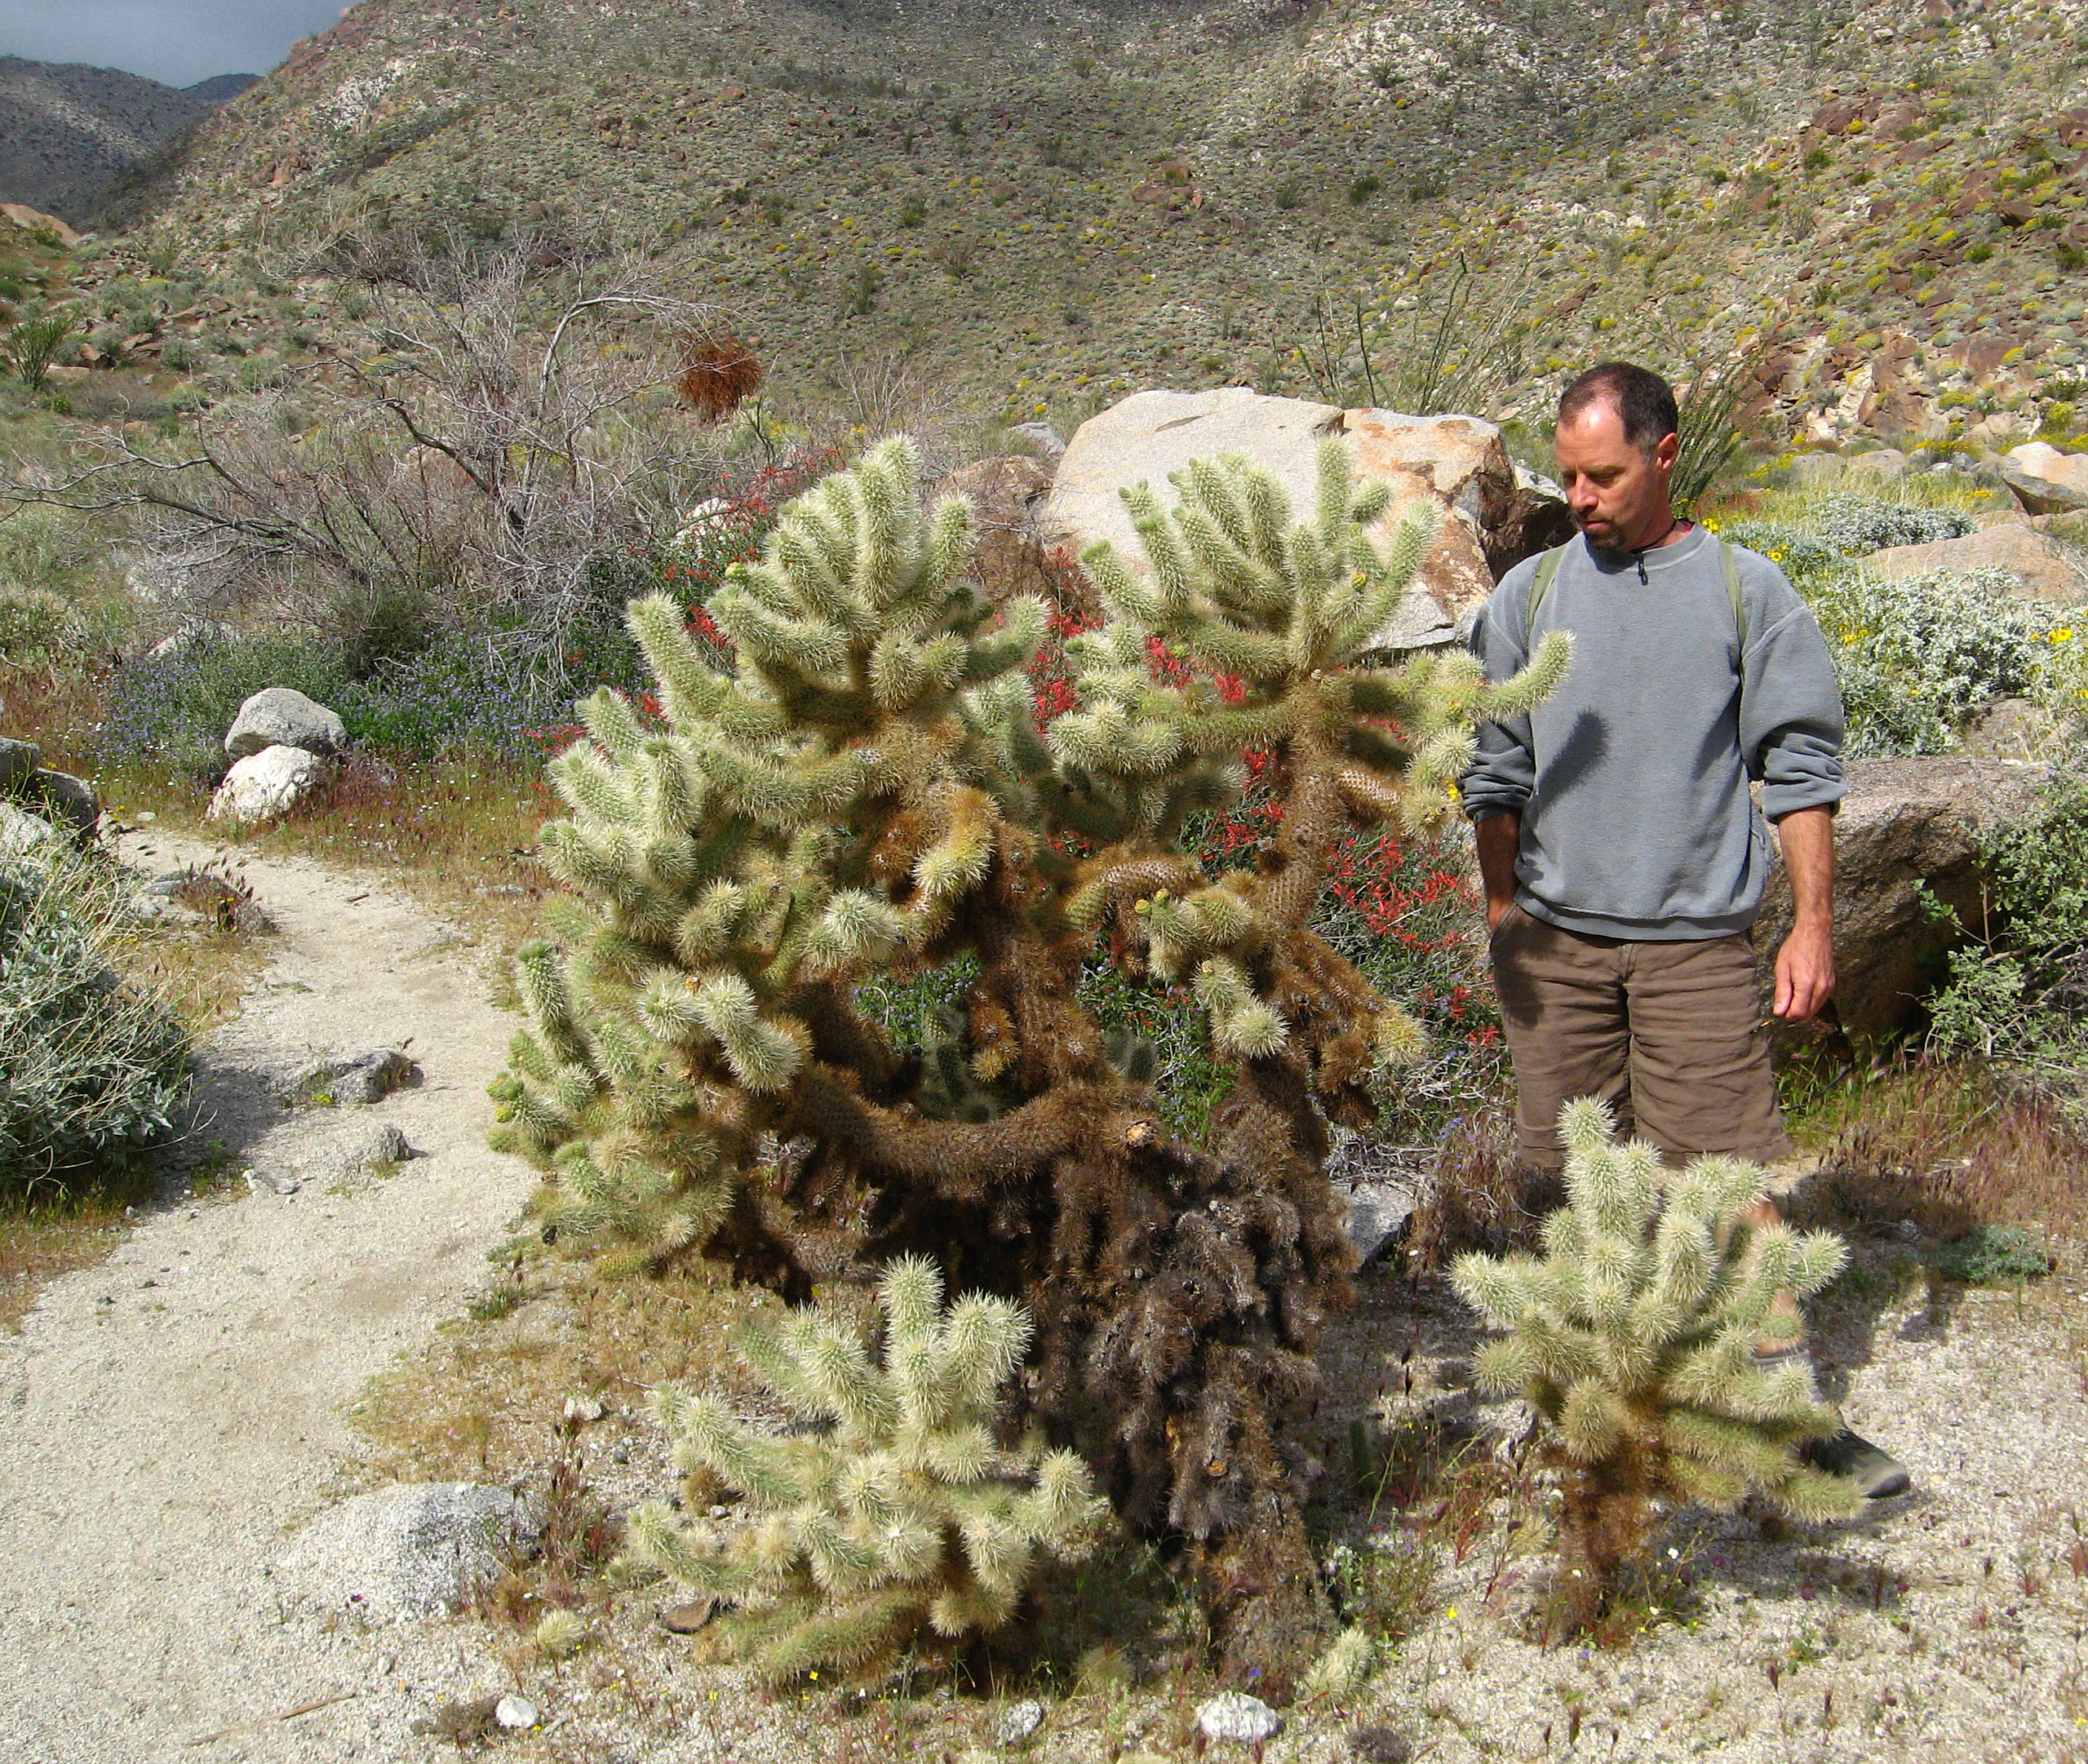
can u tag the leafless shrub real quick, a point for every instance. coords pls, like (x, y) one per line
(1482, 1196)
(885, 393)
(495, 442)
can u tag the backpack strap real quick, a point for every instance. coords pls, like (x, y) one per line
(1731, 565)
(1547, 567)
(1547, 574)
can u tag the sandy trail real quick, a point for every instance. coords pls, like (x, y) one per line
(170, 1414)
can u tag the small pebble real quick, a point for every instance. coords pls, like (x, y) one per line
(685, 1620)
(582, 1410)
(514, 1712)
(1018, 1721)
(1235, 1715)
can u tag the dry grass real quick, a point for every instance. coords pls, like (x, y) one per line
(458, 833)
(1948, 1146)
(1481, 1197)
(44, 1236)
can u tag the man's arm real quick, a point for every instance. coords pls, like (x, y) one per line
(1498, 837)
(1805, 964)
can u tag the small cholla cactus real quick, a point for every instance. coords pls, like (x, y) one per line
(1634, 1337)
(900, 1519)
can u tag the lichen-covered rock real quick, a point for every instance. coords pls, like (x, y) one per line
(22, 834)
(65, 801)
(19, 761)
(281, 716)
(1233, 1715)
(267, 785)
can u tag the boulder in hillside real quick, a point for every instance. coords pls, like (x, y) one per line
(2044, 569)
(281, 716)
(19, 761)
(407, 1550)
(2046, 481)
(1881, 465)
(31, 219)
(1011, 559)
(269, 784)
(65, 801)
(1492, 517)
(1903, 823)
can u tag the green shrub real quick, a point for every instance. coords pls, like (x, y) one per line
(90, 1067)
(1994, 1255)
(36, 626)
(2020, 993)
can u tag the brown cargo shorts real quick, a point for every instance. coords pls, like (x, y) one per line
(1669, 1035)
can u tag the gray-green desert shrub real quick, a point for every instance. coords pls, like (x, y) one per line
(1857, 525)
(2018, 992)
(1920, 657)
(1995, 1254)
(893, 1516)
(91, 1067)
(1633, 1336)
(36, 626)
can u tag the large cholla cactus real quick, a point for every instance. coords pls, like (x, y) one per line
(1634, 1337)
(866, 793)
(902, 1520)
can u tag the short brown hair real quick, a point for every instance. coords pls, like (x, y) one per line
(1644, 401)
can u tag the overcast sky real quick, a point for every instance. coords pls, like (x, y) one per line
(178, 40)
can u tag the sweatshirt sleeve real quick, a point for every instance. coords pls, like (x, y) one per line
(1791, 711)
(1503, 769)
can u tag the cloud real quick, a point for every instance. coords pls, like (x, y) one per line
(178, 40)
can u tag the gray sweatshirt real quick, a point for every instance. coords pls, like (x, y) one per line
(1632, 779)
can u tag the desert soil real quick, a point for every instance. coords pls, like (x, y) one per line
(172, 1413)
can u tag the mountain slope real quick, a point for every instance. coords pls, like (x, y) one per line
(1044, 206)
(70, 132)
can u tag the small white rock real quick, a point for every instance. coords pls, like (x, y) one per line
(1235, 1715)
(1018, 1721)
(514, 1712)
(582, 1410)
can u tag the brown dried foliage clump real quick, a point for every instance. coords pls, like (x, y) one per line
(719, 372)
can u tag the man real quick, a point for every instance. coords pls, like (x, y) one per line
(1623, 856)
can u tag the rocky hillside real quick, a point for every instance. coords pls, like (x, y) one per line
(1049, 204)
(70, 133)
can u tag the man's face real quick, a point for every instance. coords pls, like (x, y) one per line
(1619, 495)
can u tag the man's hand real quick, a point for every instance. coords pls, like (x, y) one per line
(1805, 971)
(1805, 965)
(1497, 837)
